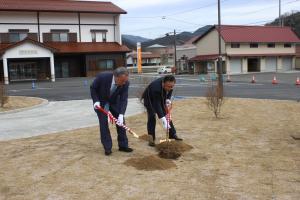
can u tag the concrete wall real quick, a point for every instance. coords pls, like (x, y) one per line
(20, 17)
(209, 44)
(52, 20)
(297, 63)
(188, 51)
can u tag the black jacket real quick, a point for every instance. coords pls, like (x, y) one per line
(100, 91)
(155, 97)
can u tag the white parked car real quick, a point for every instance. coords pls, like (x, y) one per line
(164, 70)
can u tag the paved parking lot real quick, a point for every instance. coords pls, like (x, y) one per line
(187, 85)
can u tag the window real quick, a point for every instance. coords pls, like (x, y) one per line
(105, 64)
(94, 37)
(98, 35)
(16, 35)
(60, 37)
(253, 45)
(271, 45)
(235, 45)
(287, 45)
(104, 36)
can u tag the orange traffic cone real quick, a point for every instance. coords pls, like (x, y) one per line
(228, 78)
(274, 81)
(253, 79)
(298, 81)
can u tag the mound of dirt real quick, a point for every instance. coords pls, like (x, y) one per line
(150, 163)
(144, 137)
(172, 150)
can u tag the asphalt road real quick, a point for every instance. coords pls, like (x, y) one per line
(187, 85)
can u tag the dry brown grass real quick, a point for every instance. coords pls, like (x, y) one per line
(246, 154)
(15, 102)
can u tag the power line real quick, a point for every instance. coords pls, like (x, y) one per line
(177, 13)
(205, 6)
(194, 24)
(183, 21)
(191, 10)
(259, 10)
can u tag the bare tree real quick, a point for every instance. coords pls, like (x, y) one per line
(3, 96)
(215, 99)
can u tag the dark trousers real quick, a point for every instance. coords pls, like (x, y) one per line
(105, 133)
(152, 123)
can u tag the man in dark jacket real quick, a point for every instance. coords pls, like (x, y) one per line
(156, 96)
(110, 91)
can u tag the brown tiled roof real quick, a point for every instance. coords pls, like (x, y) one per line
(4, 47)
(74, 47)
(204, 57)
(60, 6)
(88, 47)
(234, 33)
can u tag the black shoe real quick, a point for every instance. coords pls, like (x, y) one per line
(125, 149)
(107, 153)
(151, 141)
(175, 137)
(151, 144)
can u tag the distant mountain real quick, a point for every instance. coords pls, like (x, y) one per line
(169, 40)
(202, 30)
(181, 38)
(130, 40)
(290, 19)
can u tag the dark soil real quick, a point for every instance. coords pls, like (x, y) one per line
(172, 150)
(150, 163)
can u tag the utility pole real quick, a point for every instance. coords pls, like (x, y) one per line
(175, 53)
(280, 18)
(220, 68)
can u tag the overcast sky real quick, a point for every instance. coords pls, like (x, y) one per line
(145, 17)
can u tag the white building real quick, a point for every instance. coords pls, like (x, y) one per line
(184, 53)
(247, 49)
(148, 59)
(41, 40)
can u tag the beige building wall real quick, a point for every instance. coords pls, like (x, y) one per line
(279, 63)
(294, 63)
(297, 63)
(262, 64)
(227, 63)
(262, 49)
(244, 65)
(209, 44)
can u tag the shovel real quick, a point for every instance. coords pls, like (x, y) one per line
(115, 120)
(168, 115)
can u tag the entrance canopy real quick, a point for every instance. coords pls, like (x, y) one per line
(25, 52)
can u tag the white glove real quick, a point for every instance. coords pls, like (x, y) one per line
(120, 119)
(165, 123)
(97, 105)
(168, 102)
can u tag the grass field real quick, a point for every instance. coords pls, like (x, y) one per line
(246, 154)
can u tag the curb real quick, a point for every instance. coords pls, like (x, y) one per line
(44, 102)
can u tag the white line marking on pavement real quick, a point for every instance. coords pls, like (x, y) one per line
(30, 89)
